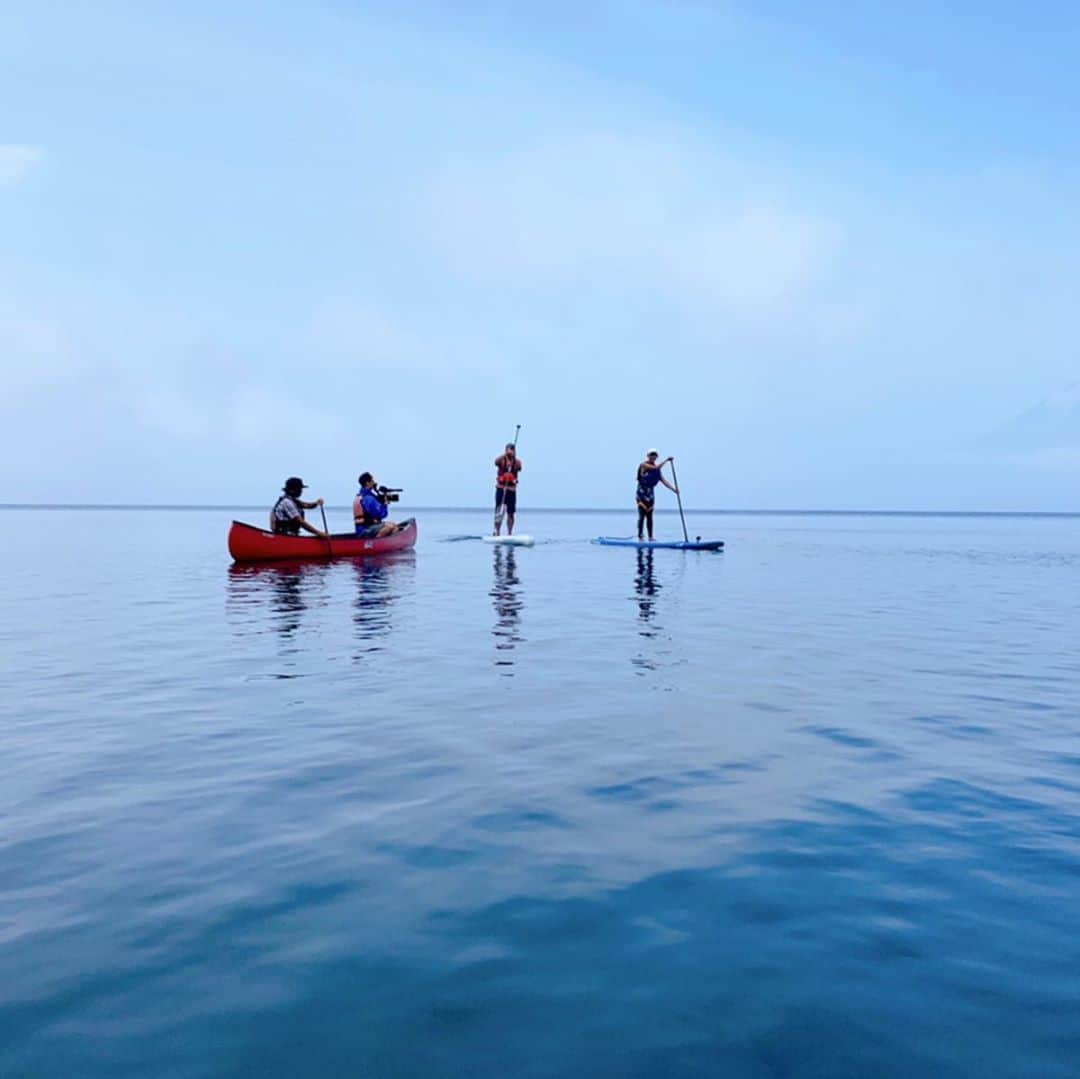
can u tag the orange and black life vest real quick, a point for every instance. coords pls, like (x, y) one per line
(508, 470)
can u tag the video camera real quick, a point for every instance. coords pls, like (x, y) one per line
(388, 494)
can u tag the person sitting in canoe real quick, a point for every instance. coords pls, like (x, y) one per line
(507, 467)
(369, 510)
(649, 474)
(287, 516)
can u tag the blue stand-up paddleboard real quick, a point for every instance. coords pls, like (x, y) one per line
(685, 544)
(676, 545)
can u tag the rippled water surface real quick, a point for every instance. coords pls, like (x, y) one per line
(810, 807)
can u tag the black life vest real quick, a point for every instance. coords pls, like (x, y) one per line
(289, 526)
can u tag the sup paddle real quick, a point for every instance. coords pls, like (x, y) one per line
(678, 495)
(517, 431)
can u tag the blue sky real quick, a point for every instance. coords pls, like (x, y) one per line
(826, 255)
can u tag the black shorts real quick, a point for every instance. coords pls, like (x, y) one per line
(507, 498)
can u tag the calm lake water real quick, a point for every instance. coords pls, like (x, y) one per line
(810, 807)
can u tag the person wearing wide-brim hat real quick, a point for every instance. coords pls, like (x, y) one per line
(287, 516)
(649, 474)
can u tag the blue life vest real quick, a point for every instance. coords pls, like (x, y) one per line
(373, 510)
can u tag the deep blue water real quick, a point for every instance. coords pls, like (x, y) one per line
(810, 807)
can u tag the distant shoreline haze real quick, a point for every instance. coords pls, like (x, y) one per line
(693, 511)
(395, 243)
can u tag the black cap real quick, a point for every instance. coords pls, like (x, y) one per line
(294, 485)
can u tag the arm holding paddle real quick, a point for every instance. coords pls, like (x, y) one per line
(660, 469)
(287, 516)
(322, 533)
(314, 531)
(302, 524)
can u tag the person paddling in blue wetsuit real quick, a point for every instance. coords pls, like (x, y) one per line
(649, 474)
(369, 510)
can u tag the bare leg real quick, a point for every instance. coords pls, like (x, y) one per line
(509, 524)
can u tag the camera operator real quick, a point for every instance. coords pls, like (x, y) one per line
(369, 509)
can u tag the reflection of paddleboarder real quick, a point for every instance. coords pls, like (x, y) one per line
(649, 474)
(507, 467)
(508, 604)
(646, 586)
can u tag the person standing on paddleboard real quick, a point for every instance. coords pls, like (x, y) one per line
(507, 467)
(287, 516)
(649, 474)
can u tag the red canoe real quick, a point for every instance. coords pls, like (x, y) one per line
(250, 544)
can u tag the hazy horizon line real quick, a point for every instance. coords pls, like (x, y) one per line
(731, 512)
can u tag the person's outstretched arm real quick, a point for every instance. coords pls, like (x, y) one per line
(663, 478)
(314, 531)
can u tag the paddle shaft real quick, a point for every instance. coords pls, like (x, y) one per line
(678, 495)
(329, 547)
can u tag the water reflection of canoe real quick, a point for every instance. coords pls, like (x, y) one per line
(250, 544)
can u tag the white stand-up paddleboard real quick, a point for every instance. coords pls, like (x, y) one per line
(511, 541)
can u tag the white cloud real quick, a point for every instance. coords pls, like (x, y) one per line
(248, 417)
(650, 212)
(349, 333)
(16, 162)
(1053, 459)
(35, 346)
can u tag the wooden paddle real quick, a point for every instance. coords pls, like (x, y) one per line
(678, 495)
(329, 546)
